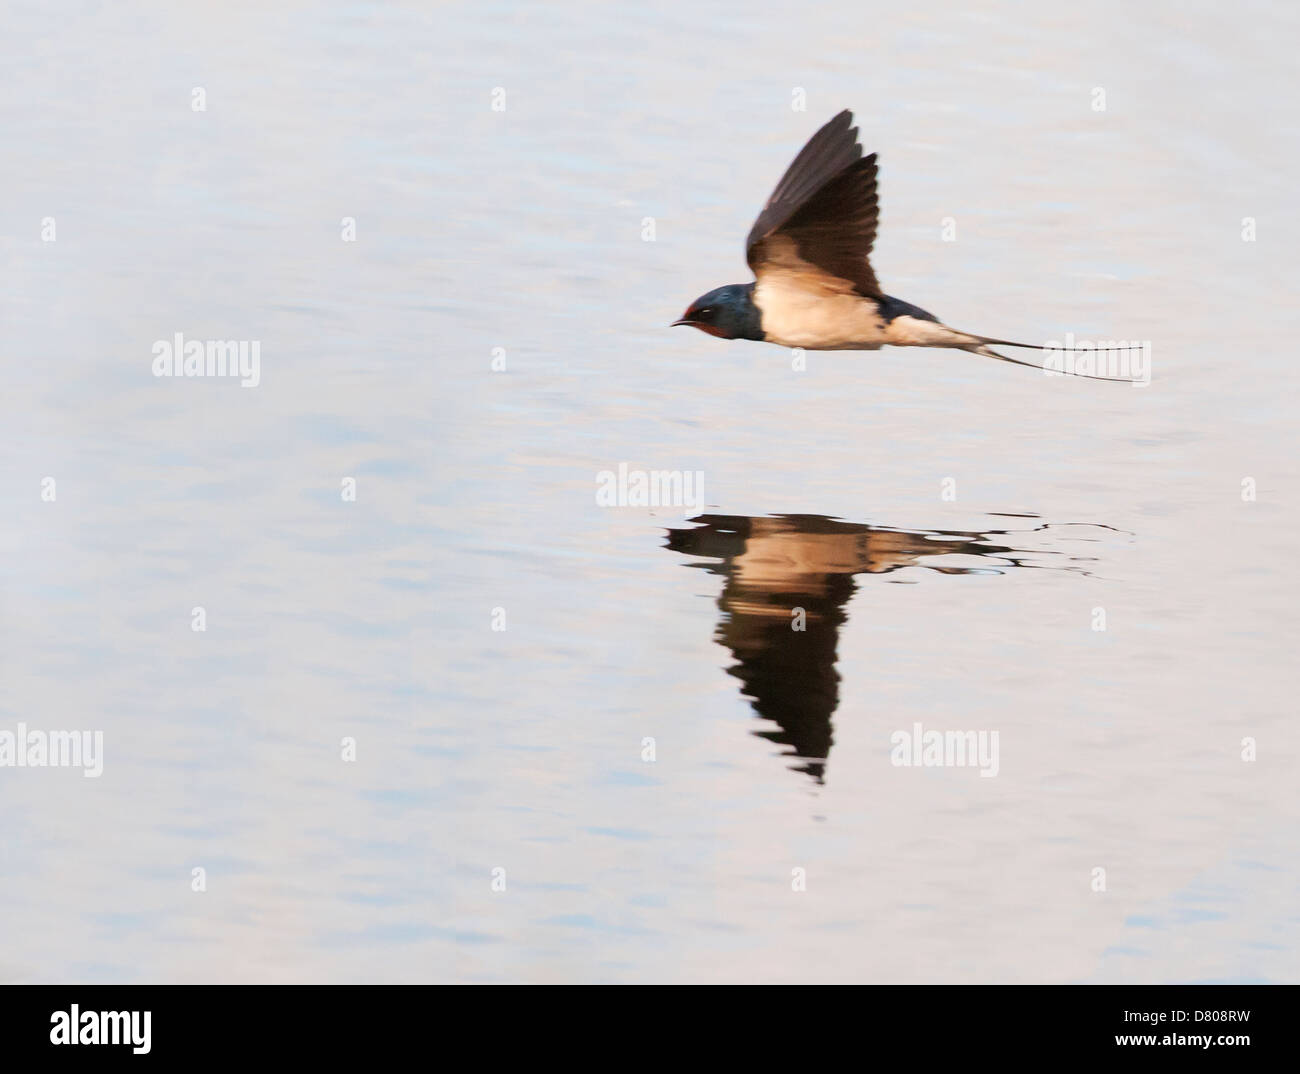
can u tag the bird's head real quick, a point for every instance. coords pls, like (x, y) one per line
(727, 312)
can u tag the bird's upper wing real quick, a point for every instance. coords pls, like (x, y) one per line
(821, 219)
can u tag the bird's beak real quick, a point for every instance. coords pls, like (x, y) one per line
(681, 320)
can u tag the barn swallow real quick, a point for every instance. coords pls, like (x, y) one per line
(810, 251)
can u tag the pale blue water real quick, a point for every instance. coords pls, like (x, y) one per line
(522, 749)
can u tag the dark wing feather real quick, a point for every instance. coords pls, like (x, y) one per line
(826, 204)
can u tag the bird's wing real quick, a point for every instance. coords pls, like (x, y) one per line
(821, 219)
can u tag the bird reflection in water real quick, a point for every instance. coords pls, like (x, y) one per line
(774, 566)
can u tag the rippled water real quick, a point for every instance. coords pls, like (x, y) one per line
(952, 530)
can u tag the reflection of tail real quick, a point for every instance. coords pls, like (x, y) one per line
(980, 348)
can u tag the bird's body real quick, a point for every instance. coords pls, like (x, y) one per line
(780, 310)
(795, 316)
(810, 251)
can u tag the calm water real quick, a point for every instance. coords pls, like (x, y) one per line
(951, 528)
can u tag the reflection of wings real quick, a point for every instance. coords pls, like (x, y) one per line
(774, 566)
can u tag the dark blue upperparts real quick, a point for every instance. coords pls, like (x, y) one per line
(896, 307)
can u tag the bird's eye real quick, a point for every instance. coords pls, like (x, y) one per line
(704, 312)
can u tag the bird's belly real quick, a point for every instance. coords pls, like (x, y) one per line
(792, 317)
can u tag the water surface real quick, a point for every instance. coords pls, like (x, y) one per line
(951, 527)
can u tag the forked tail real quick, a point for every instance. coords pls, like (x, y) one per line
(982, 342)
(980, 348)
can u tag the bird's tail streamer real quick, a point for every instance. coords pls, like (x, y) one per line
(983, 349)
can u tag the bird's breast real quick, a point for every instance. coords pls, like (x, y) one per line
(821, 319)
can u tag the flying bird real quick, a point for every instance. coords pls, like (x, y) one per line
(810, 251)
